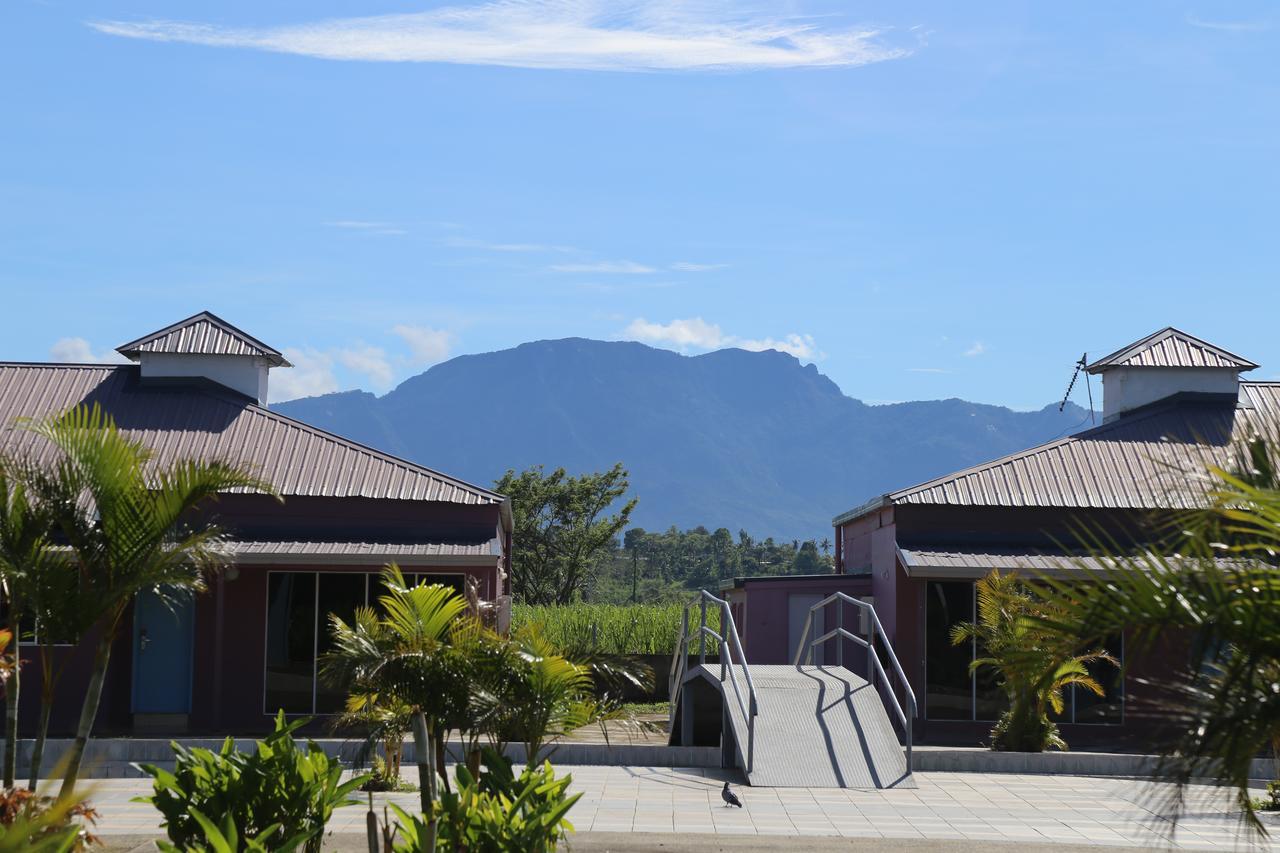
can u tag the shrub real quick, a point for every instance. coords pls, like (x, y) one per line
(621, 629)
(276, 792)
(496, 812)
(36, 824)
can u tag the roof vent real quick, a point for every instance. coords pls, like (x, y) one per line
(206, 347)
(1163, 364)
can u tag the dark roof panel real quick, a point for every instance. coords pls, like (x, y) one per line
(187, 422)
(1171, 347)
(972, 562)
(202, 334)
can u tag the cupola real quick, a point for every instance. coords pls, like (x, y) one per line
(1164, 364)
(205, 347)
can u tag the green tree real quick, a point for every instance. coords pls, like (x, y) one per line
(129, 525)
(808, 561)
(24, 556)
(1034, 664)
(562, 525)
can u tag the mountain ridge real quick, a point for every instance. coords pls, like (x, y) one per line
(745, 440)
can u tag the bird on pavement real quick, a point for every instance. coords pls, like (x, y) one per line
(729, 797)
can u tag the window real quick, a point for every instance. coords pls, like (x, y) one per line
(952, 693)
(298, 608)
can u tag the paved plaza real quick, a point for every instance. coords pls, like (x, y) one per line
(972, 811)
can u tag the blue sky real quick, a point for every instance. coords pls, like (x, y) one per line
(926, 199)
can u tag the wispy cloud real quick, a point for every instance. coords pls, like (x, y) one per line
(370, 362)
(642, 35)
(685, 266)
(977, 349)
(606, 267)
(368, 227)
(427, 345)
(696, 333)
(78, 351)
(1229, 26)
(311, 375)
(469, 243)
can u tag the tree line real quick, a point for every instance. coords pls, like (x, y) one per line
(574, 542)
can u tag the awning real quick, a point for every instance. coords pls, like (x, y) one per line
(937, 561)
(373, 553)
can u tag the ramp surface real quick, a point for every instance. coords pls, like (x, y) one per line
(816, 727)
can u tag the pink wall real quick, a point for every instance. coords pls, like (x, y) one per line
(763, 605)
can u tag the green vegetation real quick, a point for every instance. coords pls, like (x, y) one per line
(31, 823)
(1034, 665)
(620, 629)
(278, 794)
(562, 525)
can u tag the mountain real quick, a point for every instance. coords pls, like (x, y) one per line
(750, 440)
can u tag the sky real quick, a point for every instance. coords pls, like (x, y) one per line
(925, 199)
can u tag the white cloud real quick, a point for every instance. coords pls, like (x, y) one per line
(369, 361)
(685, 266)
(606, 267)
(78, 351)
(468, 243)
(696, 333)
(368, 227)
(977, 349)
(1229, 26)
(801, 346)
(311, 375)
(428, 346)
(643, 35)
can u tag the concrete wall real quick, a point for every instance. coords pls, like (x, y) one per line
(243, 373)
(1125, 388)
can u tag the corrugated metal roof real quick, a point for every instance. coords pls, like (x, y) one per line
(370, 552)
(1147, 460)
(976, 561)
(1171, 347)
(202, 334)
(189, 422)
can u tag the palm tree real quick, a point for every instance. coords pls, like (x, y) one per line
(1035, 665)
(129, 527)
(1218, 587)
(25, 555)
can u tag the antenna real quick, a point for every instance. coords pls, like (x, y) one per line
(1080, 365)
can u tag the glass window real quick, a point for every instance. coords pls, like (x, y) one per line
(1092, 708)
(291, 642)
(340, 594)
(948, 685)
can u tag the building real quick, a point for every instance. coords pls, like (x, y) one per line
(1173, 405)
(231, 658)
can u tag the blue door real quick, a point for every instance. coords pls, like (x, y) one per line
(162, 640)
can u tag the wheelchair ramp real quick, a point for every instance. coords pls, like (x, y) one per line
(817, 727)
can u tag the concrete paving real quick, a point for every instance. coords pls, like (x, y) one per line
(653, 808)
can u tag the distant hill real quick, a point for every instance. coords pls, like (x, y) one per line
(751, 440)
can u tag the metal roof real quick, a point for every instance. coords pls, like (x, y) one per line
(186, 422)
(1171, 347)
(941, 561)
(202, 334)
(1152, 459)
(444, 553)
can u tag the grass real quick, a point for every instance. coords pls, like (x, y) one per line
(623, 629)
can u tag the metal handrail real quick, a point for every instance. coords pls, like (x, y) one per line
(804, 652)
(730, 647)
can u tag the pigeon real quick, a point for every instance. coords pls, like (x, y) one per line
(729, 797)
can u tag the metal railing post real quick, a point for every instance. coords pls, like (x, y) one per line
(840, 636)
(871, 648)
(724, 646)
(702, 636)
(751, 737)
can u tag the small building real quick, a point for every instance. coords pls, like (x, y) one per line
(230, 659)
(1173, 405)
